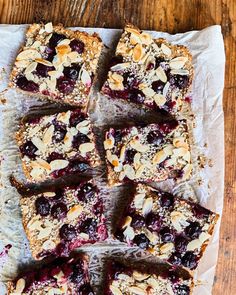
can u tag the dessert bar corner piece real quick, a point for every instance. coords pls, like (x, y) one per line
(150, 72)
(170, 228)
(58, 221)
(55, 145)
(148, 153)
(57, 63)
(62, 276)
(123, 279)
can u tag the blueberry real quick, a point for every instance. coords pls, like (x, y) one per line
(77, 166)
(55, 39)
(154, 137)
(59, 133)
(166, 235)
(142, 241)
(153, 221)
(42, 70)
(182, 290)
(42, 206)
(77, 45)
(72, 72)
(67, 232)
(129, 156)
(201, 212)
(190, 260)
(168, 127)
(175, 259)
(54, 156)
(28, 149)
(86, 289)
(65, 85)
(180, 81)
(138, 221)
(27, 85)
(158, 86)
(49, 53)
(166, 200)
(76, 117)
(86, 192)
(117, 136)
(59, 193)
(89, 226)
(59, 210)
(159, 60)
(193, 230)
(136, 95)
(181, 244)
(79, 139)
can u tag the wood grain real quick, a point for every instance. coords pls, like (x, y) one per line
(172, 16)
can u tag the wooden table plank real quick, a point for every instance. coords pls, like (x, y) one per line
(172, 16)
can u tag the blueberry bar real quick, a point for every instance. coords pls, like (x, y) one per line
(170, 228)
(148, 153)
(55, 145)
(57, 63)
(62, 276)
(123, 279)
(150, 72)
(58, 221)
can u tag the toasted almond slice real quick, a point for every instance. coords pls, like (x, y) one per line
(127, 222)
(49, 194)
(149, 92)
(86, 147)
(180, 142)
(180, 72)
(48, 245)
(140, 276)
(140, 171)
(31, 67)
(159, 157)
(146, 38)
(134, 39)
(28, 54)
(42, 163)
(48, 28)
(137, 157)
(37, 173)
(121, 48)
(74, 212)
(44, 62)
(129, 233)
(20, 285)
(178, 62)
(138, 200)
(138, 52)
(166, 248)
(109, 143)
(115, 290)
(137, 290)
(132, 30)
(22, 63)
(58, 164)
(161, 74)
(35, 225)
(129, 171)
(68, 139)
(65, 42)
(135, 144)
(44, 232)
(64, 117)
(165, 49)
(52, 84)
(47, 137)
(63, 50)
(120, 66)
(34, 130)
(204, 236)
(193, 245)
(159, 99)
(147, 206)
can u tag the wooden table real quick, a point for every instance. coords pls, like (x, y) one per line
(171, 16)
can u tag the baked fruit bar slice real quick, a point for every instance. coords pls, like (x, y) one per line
(150, 72)
(123, 279)
(57, 63)
(56, 145)
(62, 276)
(148, 153)
(60, 220)
(170, 228)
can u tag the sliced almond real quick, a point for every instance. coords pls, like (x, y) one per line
(44, 232)
(181, 72)
(51, 83)
(138, 52)
(20, 286)
(85, 78)
(166, 49)
(115, 290)
(147, 206)
(44, 62)
(49, 194)
(187, 171)
(68, 139)
(127, 222)
(193, 245)
(63, 49)
(140, 171)
(137, 290)
(34, 130)
(40, 163)
(48, 245)
(136, 145)
(140, 276)
(133, 31)
(161, 74)
(180, 142)
(31, 67)
(22, 63)
(149, 92)
(138, 200)
(48, 28)
(178, 62)
(86, 147)
(64, 117)
(74, 212)
(58, 164)
(129, 171)
(47, 137)
(129, 233)
(159, 157)
(109, 143)
(204, 236)
(28, 54)
(37, 173)
(159, 99)
(137, 157)
(146, 38)
(166, 247)
(120, 67)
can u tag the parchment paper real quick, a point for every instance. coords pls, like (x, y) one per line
(206, 185)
